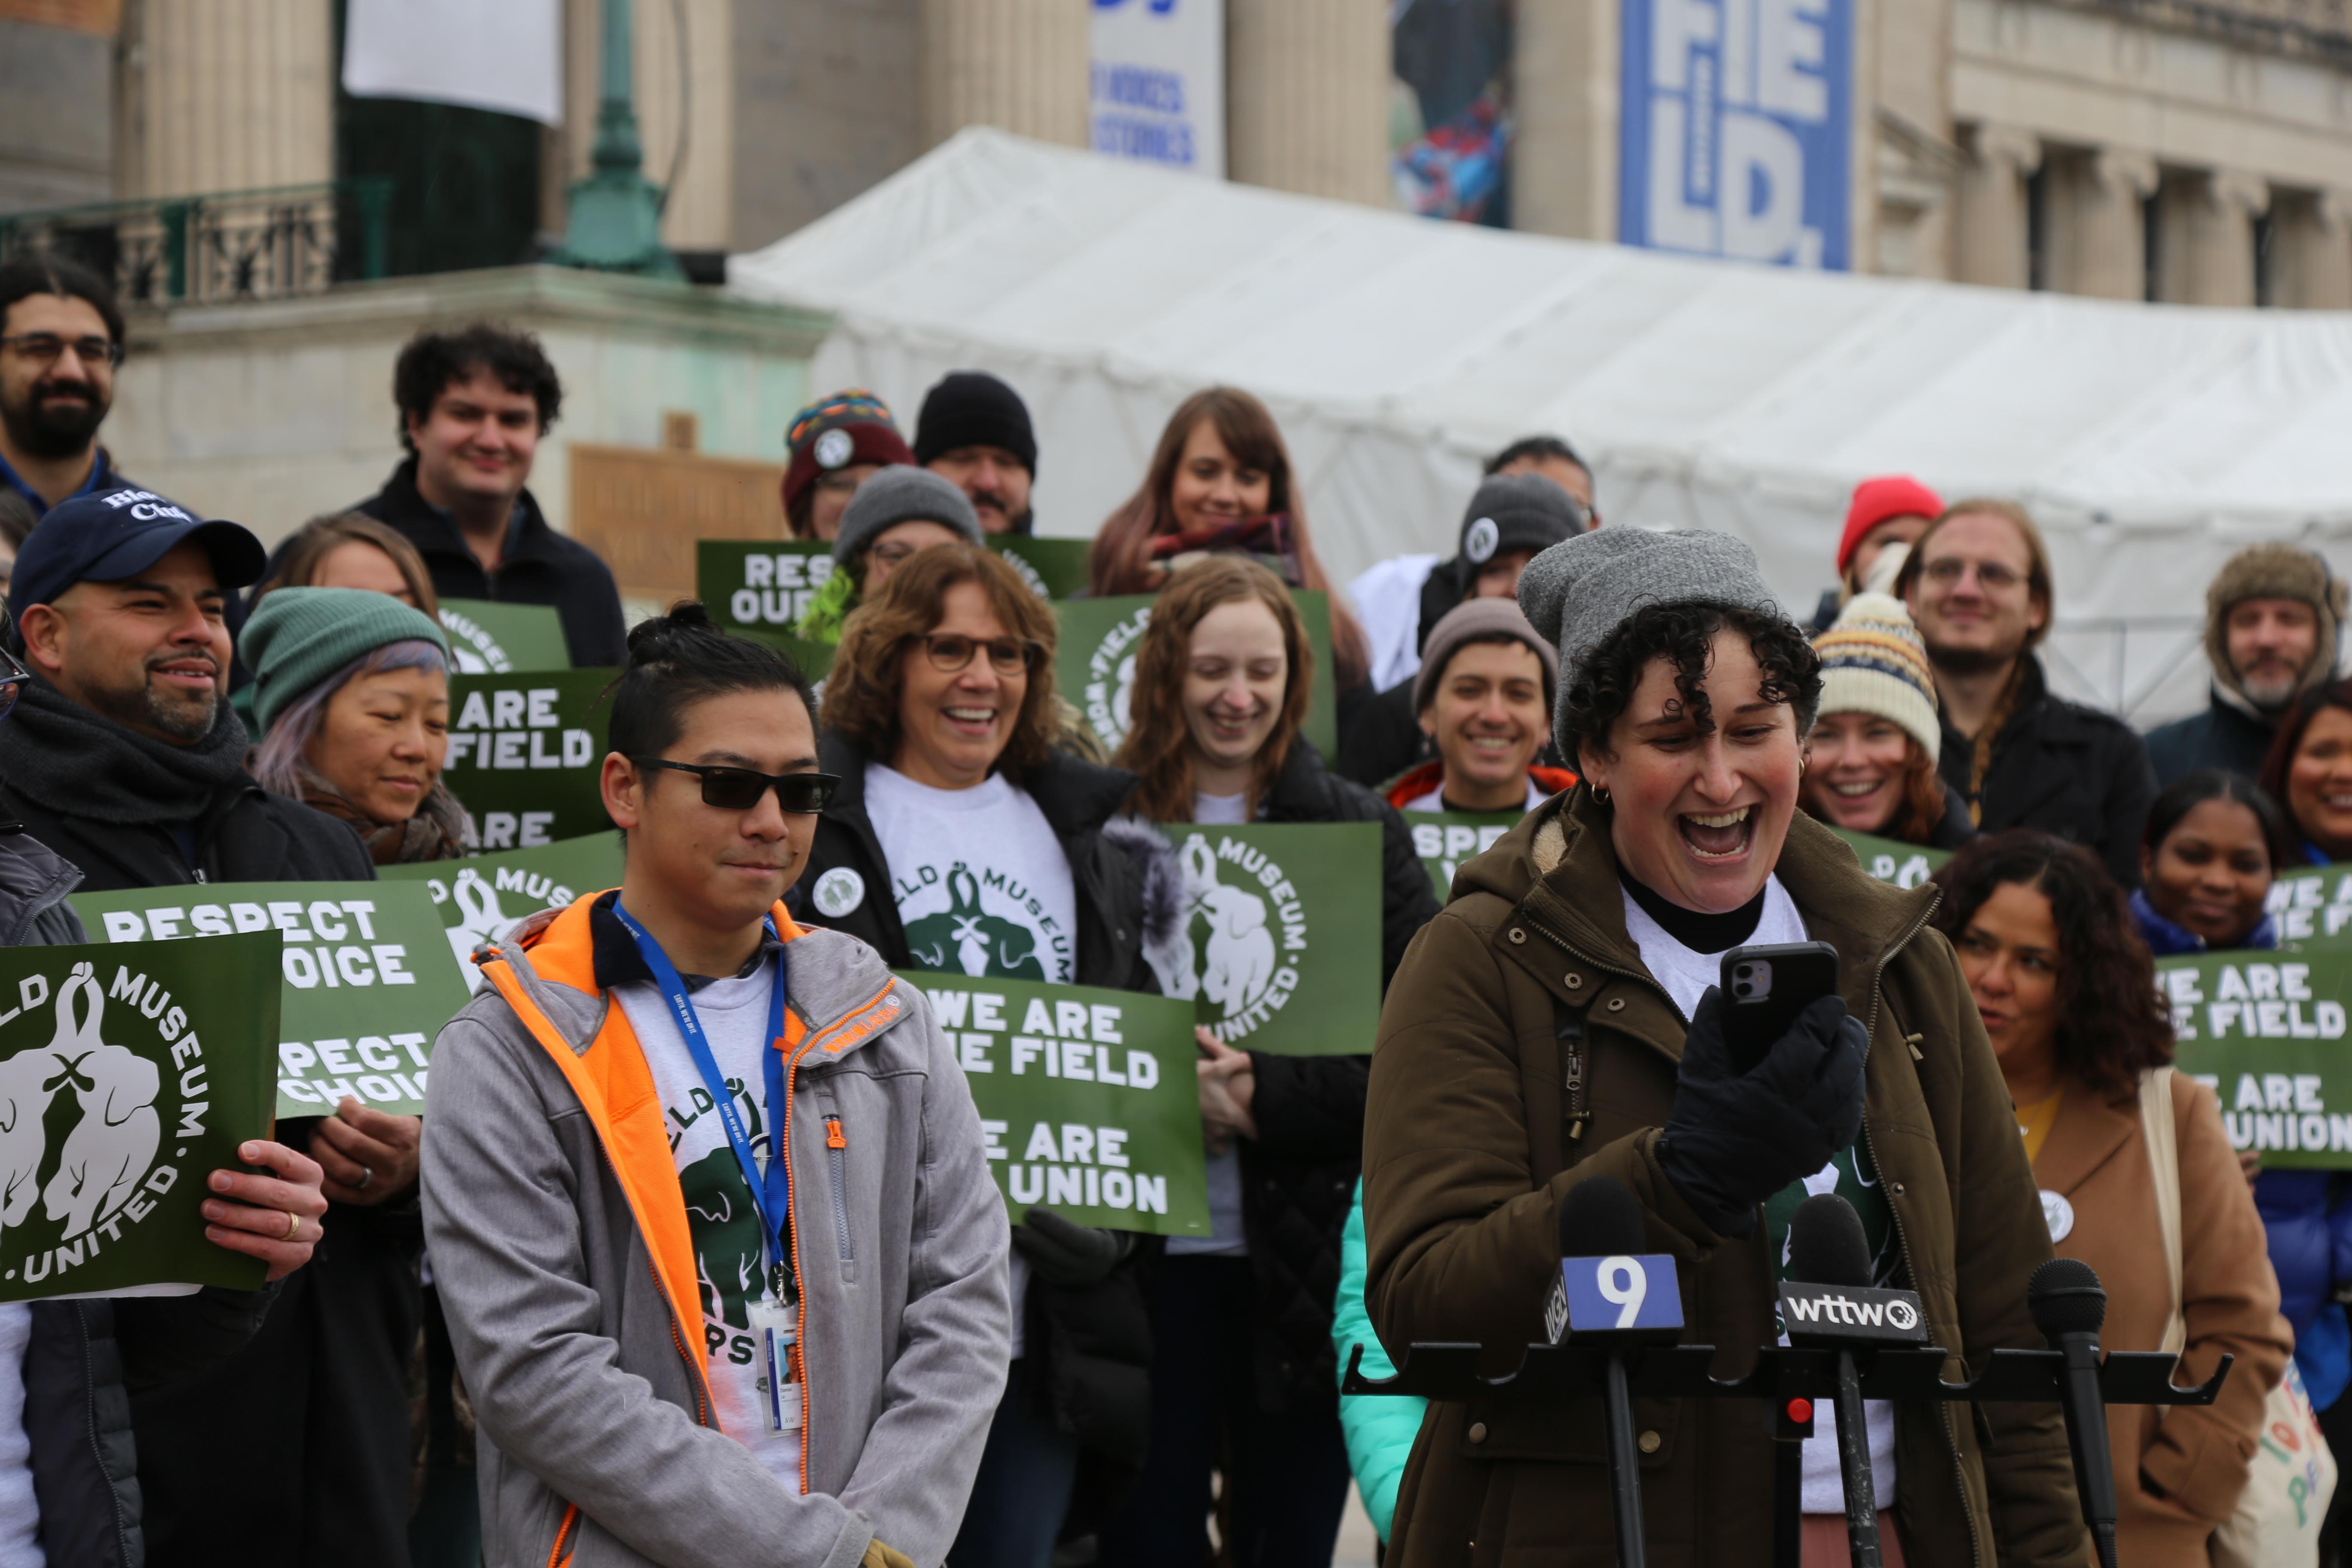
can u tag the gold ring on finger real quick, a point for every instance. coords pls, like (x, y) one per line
(293, 1225)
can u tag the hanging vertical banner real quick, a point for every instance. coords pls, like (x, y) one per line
(1737, 135)
(1157, 82)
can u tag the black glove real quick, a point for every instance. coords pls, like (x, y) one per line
(1732, 1142)
(1065, 1253)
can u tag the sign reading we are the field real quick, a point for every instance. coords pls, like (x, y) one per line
(1087, 1096)
(2267, 1031)
(525, 752)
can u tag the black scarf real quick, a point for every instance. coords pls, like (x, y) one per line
(62, 756)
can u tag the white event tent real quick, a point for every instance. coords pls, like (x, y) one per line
(2148, 440)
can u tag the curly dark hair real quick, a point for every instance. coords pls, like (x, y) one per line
(1684, 634)
(2111, 1024)
(434, 360)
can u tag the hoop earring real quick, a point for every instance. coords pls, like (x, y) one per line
(1600, 794)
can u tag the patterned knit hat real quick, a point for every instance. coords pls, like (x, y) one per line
(867, 434)
(1873, 662)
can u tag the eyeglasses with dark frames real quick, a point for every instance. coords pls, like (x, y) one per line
(14, 679)
(951, 651)
(739, 789)
(47, 348)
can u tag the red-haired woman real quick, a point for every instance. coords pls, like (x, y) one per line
(1220, 483)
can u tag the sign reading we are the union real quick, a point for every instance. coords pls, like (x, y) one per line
(2266, 1031)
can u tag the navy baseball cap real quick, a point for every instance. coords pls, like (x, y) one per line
(118, 534)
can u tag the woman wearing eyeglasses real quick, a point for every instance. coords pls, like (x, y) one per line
(898, 513)
(960, 839)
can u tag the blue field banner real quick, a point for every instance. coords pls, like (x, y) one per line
(1608, 1294)
(1737, 136)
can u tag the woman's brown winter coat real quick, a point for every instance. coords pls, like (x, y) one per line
(2097, 1158)
(1523, 1046)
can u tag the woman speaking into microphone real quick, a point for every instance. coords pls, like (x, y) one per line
(1557, 1021)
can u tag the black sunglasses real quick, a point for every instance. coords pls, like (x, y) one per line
(739, 789)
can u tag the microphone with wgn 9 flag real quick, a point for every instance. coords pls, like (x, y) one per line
(1827, 1301)
(1612, 1296)
(2068, 1307)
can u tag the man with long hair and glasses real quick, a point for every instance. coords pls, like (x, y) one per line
(60, 338)
(707, 1196)
(962, 840)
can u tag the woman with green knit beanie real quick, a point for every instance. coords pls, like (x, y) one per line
(352, 703)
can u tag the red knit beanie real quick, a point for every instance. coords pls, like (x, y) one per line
(1875, 500)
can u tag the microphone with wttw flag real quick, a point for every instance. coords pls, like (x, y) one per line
(1827, 1301)
(1611, 1298)
(2068, 1307)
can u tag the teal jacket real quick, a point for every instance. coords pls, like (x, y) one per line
(1380, 1427)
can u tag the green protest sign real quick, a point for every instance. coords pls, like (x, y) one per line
(1087, 1096)
(2312, 903)
(525, 751)
(1280, 942)
(2266, 1031)
(1053, 568)
(491, 638)
(1892, 860)
(760, 584)
(1444, 839)
(481, 898)
(366, 976)
(122, 1084)
(1094, 663)
(814, 660)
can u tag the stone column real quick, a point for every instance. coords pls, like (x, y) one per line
(2220, 236)
(223, 95)
(2311, 235)
(1307, 97)
(1988, 236)
(1564, 152)
(1018, 65)
(2096, 244)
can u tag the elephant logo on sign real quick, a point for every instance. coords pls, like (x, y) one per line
(1223, 947)
(479, 919)
(106, 1156)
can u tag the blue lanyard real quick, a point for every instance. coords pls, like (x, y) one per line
(771, 1191)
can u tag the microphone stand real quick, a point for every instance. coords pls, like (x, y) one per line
(1624, 1465)
(1854, 1463)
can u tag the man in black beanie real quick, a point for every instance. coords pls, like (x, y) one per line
(1511, 520)
(974, 432)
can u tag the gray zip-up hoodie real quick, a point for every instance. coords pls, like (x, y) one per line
(559, 1245)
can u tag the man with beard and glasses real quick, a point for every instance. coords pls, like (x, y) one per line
(974, 432)
(1978, 584)
(60, 338)
(2272, 619)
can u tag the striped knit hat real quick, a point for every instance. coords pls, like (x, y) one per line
(1873, 662)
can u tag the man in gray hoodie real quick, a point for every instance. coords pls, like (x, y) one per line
(682, 1349)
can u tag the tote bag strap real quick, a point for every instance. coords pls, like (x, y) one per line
(2155, 1124)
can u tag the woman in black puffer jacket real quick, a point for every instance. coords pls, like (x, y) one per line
(1243, 1362)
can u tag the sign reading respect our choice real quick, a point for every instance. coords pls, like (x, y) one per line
(481, 898)
(2313, 903)
(125, 1077)
(2266, 1031)
(1444, 839)
(491, 638)
(525, 751)
(366, 978)
(1094, 663)
(1088, 1099)
(1892, 860)
(1278, 948)
(768, 584)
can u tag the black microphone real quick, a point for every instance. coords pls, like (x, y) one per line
(1828, 1300)
(1598, 1298)
(2068, 1307)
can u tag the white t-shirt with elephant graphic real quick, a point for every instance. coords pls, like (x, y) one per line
(981, 882)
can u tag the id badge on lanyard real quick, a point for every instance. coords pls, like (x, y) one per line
(777, 1324)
